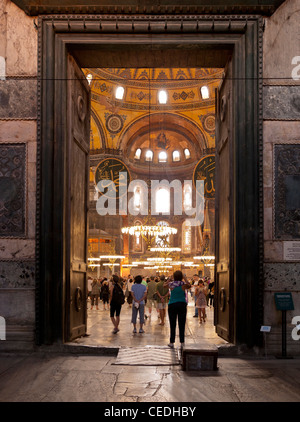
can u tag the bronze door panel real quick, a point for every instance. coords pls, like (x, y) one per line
(77, 192)
(224, 238)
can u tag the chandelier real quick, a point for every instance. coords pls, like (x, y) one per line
(207, 260)
(146, 231)
(150, 232)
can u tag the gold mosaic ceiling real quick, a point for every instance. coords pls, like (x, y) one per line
(120, 124)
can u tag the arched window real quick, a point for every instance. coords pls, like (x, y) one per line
(162, 157)
(186, 237)
(162, 97)
(119, 93)
(176, 156)
(187, 153)
(162, 200)
(138, 154)
(136, 243)
(204, 92)
(149, 155)
(187, 197)
(137, 199)
(89, 78)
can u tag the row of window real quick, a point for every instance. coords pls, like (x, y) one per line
(162, 155)
(162, 198)
(162, 94)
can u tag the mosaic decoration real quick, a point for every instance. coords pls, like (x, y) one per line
(110, 169)
(103, 87)
(209, 122)
(183, 95)
(12, 190)
(114, 123)
(287, 191)
(141, 96)
(205, 170)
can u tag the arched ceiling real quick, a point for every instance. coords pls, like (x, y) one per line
(140, 121)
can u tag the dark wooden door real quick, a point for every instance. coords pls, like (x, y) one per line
(77, 164)
(224, 296)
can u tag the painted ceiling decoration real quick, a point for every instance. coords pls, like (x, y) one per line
(139, 121)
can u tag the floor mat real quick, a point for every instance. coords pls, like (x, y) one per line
(148, 356)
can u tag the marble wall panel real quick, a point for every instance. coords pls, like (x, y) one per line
(18, 99)
(280, 39)
(281, 103)
(18, 306)
(21, 42)
(287, 191)
(19, 131)
(280, 276)
(12, 190)
(17, 274)
(17, 249)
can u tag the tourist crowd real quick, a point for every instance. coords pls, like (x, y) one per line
(164, 294)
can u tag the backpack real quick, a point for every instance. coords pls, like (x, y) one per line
(118, 295)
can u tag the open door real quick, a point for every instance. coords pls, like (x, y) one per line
(77, 164)
(224, 296)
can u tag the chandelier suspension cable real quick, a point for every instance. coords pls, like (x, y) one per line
(149, 128)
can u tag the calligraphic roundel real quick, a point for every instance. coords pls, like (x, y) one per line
(205, 170)
(116, 172)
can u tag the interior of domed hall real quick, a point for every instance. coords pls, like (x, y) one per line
(151, 189)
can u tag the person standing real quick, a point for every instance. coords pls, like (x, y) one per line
(162, 294)
(211, 293)
(128, 291)
(105, 293)
(177, 307)
(116, 299)
(95, 293)
(151, 290)
(196, 279)
(139, 294)
(89, 287)
(201, 293)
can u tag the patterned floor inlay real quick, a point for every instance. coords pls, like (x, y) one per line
(147, 356)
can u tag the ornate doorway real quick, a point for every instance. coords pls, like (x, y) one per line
(103, 41)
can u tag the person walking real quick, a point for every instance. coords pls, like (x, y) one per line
(177, 307)
(162, 294)
(95, 293)
(139, 294)
(201, 293)
(116, 300)
(104, 294)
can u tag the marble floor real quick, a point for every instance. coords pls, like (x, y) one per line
(76, 376)
(99, 328)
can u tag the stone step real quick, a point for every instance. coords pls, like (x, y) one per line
(199, 357)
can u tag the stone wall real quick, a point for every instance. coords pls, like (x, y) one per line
(281, 133)
(18, 112)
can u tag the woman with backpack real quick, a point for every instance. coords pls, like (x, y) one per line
(116, 299)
